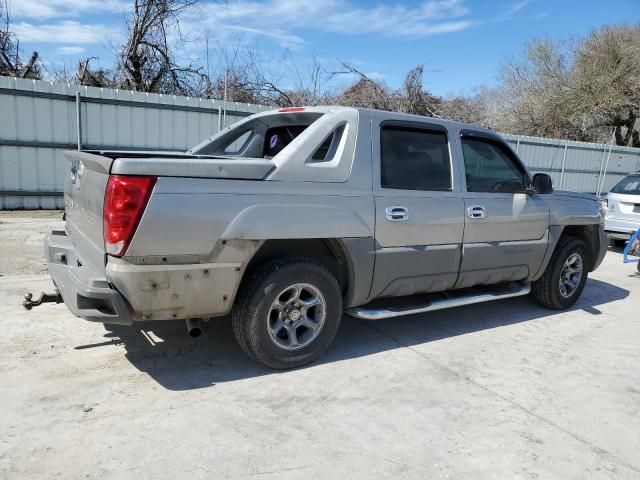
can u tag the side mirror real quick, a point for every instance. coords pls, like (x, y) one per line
(542, 183)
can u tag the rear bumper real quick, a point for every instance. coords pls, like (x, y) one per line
(620, 228)
(86, 293)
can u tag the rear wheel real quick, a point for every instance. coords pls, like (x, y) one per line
(565, 277)
(288, 313)
(618, 243)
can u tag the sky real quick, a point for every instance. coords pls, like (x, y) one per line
(461, 43)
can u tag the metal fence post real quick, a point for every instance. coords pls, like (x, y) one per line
(564, 161)
(604, 153)
(79, 120)
(517, 145)
(604, 172)
(219, 118)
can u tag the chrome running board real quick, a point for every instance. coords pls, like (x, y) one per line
(377, 311)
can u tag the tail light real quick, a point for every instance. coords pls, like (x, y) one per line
(124, 201)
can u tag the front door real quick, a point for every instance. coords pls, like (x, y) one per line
(419, 210)
(506, 228)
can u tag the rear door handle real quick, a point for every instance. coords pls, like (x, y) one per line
(397, 214)
(476, 212)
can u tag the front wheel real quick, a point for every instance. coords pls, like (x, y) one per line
(288, 313)
(565, 277)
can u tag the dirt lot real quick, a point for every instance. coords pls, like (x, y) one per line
(502, 390)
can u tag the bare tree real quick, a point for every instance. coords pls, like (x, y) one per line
(371, 93)
(147, 61)
(587, 89)
(365, 92)
(477, 108)
(11, 62)
(412, 97)
(606, 93)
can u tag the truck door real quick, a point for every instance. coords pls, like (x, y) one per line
(506, 228)
(419, 209)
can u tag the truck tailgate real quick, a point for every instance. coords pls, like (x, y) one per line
(85, 185)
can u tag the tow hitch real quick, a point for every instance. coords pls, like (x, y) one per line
(29, 303)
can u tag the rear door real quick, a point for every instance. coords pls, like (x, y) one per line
(419, 209)
(506, 229)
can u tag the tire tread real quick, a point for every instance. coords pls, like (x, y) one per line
(543, 290)
(246, 302)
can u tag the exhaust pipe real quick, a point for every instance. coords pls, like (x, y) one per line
(194, 327)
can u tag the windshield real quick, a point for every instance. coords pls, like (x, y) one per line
(629, 185)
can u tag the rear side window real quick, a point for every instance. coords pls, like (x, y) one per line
(327, 150)
(489, 168)
(239, 143)
(414, 159)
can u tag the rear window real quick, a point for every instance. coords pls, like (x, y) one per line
(629, 185)
(277, 138)
(260, 137)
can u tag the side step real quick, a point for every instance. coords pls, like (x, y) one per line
(401, 306)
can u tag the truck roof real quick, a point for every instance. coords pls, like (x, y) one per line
(379, 115)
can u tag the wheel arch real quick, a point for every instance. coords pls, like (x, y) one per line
(589, 234)
(350, 260)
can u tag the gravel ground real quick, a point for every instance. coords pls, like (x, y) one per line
(505, 390)
(21, 236)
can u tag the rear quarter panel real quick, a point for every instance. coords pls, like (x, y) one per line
(188, 216)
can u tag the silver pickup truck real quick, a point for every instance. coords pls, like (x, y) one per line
(290, 218)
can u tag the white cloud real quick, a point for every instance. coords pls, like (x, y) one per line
(67, 32)
(281, 36)
(69, 50)
(279, 18)
(43, 9)
(516, 7)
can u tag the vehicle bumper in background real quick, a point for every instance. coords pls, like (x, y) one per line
(85, 292)
(619, 228)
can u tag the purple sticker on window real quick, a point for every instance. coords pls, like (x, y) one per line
(274, 141)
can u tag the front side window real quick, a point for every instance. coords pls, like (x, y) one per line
(489, 168)
(415, 159)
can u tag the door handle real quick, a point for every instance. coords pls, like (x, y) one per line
(476, 212)
(397, 214)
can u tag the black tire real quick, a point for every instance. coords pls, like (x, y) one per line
(546, 290)
(618, 243)
(253, 307)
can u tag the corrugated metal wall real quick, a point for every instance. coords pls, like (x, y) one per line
(38, 120)
(578, 166)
